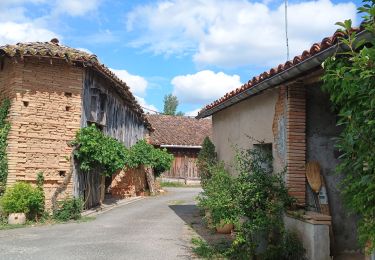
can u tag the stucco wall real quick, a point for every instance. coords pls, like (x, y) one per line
(44, 116)
(321, 129)
(234, 125)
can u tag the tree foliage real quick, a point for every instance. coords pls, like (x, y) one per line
(95, 149)
(206, 159)
(350, 80)
(170, 106)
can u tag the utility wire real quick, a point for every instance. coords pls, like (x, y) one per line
(286, 29)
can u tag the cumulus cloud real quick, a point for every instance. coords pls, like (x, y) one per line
(76, 7)
(11, 33)
(233, 33)
(137, 84)
(203, 86)
(148, 108)
(193, 112)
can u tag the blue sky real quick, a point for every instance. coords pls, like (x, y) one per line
(196, 49)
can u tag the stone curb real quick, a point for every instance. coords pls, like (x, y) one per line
(102, 209)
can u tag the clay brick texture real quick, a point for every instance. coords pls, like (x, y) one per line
(129, 183)
(45, 114)
(296, 142)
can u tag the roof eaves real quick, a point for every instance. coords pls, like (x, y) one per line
(318, 53)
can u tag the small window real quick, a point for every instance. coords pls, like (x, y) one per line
(68, 108)
(68, 94)
(264, 153)
(25, 103)
(62, 173)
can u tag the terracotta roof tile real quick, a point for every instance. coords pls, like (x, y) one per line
(314, 49)
(53, 49)
(178, 130)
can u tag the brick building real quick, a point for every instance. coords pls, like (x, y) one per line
(54, 91)
(182, 136)
(285, 112)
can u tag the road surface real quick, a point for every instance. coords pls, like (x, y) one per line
(152, 228)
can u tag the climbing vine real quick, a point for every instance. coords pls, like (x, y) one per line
(4, 130)
(94, 149)
(350, 80)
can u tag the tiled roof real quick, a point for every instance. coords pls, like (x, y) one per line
(53, 49)
(178, 130)
(315, 49)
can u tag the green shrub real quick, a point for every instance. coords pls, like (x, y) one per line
(69, 208)
(349, 78)
(286, 248)
(95, 149)
(23, 198)
(218, 196)
(143, 153)
(206, 159)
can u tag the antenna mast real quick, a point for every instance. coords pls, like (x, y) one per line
(286, 29)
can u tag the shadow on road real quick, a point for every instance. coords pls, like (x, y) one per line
(193, 217)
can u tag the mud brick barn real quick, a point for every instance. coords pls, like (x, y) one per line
(54, 91)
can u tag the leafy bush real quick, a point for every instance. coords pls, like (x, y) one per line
(69, 208)
(349, 78)
(4, 130)
(206, 159)
(219, 196)
(143, 153)
(263, 197)
(95, 149)
(23, 198)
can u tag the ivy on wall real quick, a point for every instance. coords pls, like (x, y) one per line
(94, 149)
(350, 80)
(4, 130)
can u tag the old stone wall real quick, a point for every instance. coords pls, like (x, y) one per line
(45, 115)
(128, 183)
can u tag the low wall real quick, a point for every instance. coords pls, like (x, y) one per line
(315, 237)
(129, 183)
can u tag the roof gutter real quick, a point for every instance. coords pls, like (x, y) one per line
(285, 75)
(180, 146)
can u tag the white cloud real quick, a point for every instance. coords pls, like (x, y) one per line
(11, 33)
(137, 84)
(76, 7)
(193, 112)
(85, 50)
(143, 103)
(203, 86)
(232, 33)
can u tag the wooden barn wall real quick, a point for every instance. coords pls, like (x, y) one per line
(184, 165)
(103, 106)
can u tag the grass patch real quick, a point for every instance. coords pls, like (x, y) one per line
(206, 251)
(176, 202)
(178, 185)
(43, 222)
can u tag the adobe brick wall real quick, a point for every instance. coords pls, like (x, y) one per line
(44, 116)
(296, 142)
(127, 183)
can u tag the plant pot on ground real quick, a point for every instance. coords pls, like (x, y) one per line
(224, 228)
(17, 218)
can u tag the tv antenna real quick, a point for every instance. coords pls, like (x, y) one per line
(286, 29)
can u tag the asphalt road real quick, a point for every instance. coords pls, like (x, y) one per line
(153, 228)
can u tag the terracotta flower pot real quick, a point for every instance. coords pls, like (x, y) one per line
(16, 218)
(224, 228)
(208, 218)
